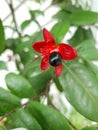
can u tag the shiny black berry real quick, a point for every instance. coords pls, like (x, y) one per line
(55, 59)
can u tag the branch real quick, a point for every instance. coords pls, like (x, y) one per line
(21, 106)
(18, 6)
(48, 88)
(13, 15)
(71, 124)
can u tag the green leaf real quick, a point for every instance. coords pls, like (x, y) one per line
(80, 35)
(83, 18)
(40, 81)
(24, 119)
(59, 30)
(12, 43)
(37, 36)
(48, 118)
(3, 65)
(25, 24)
(38, 78)
(65, 13)
(2, 38)
(26, 53)
(38, 1)
(34, 13)
(62, 15)
(59, 1)
(2, 128)
(25, 50)
(92, 67)
(80, 85)
(19, 85)
(8, 101)
(70, 8)
(88, 50)
(90, 128)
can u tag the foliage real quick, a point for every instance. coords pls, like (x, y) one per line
(79, 80)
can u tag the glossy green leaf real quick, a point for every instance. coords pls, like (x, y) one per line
(62, 15)
(92, 67)
(66, 10)
(80, 35)
(25, 24)
(24, 119)
(88, 50)
(80, 85)
(2, 37)
(38, 78)
(90, 128)
(70, 8)
(83, 18)
(19, 85)
(48, 118)
(3, 65)
(8, 101)
(59, 30)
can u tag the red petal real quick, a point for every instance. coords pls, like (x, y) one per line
(67, 52)
(48, 36)
(58, 70)
(41, 47)
(45, 63)
(45, 47)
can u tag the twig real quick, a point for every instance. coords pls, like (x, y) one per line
(18, 6)
(21, 106)
(36, 58)
(48, 88)
(13, 15)
(71, 124)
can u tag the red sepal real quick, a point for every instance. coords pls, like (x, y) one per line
(41, 47)
(45, 63)
(67, 52)
(58, 70)
(48, 36)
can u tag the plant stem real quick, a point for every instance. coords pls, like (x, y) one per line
(13, 15)
(18, 6)
(36, 58)
(71, 124)
(48, 88)
(21, 106)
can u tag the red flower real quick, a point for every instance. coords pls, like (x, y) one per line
(53, 54)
